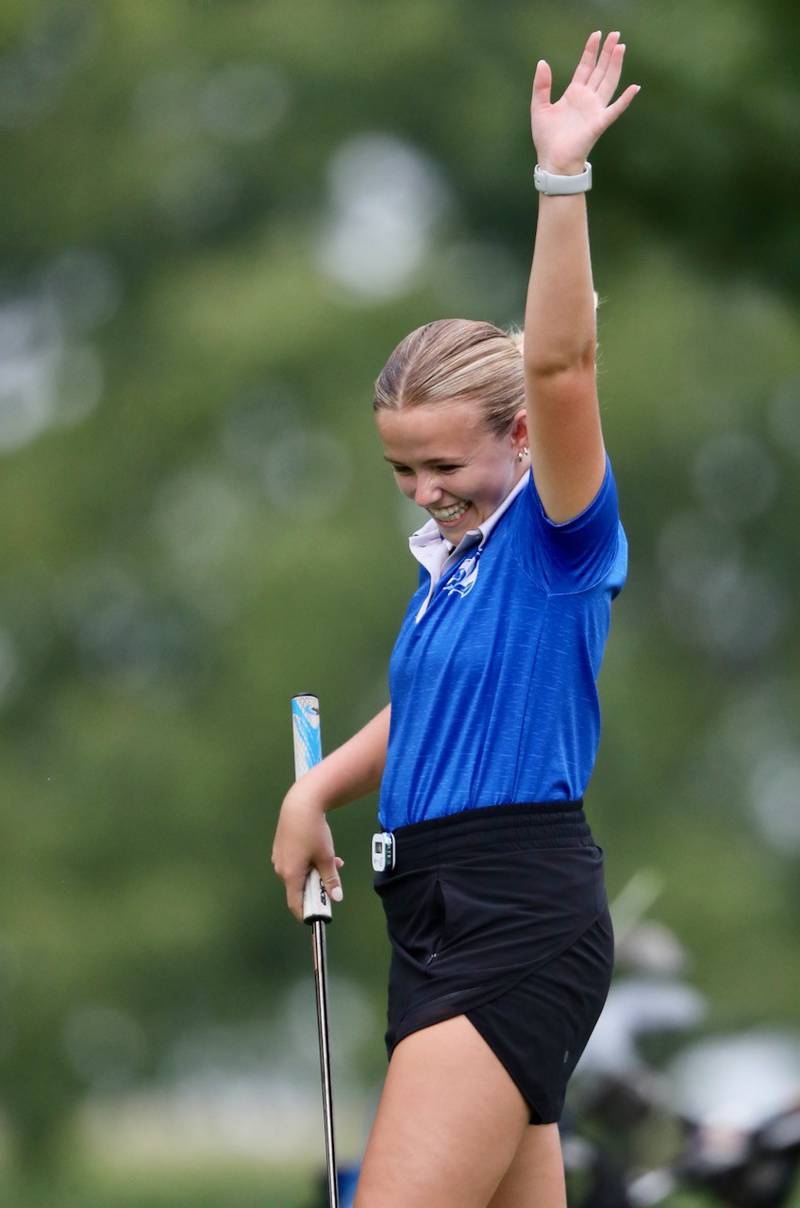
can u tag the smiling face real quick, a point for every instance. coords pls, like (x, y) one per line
(446, 460)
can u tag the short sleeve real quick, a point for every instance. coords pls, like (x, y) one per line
(581, 553)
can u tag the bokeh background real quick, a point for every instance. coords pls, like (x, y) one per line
(217, 218)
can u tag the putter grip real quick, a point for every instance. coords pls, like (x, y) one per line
(307, 753)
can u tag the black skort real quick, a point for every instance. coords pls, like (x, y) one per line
(500, 914)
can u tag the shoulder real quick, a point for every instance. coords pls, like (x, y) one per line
(572, 555)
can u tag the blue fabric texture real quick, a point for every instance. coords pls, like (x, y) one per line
(494, 688)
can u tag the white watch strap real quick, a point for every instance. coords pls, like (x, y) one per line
(548, 182)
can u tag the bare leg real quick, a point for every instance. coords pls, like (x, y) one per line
(535, 1178)
(449, 1123)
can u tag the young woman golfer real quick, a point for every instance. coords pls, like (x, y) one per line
(496, 909)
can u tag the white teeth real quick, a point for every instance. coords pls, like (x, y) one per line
(457, 509)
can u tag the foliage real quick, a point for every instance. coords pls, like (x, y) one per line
(197, 523)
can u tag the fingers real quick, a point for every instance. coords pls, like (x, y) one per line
(588, 59)
(330, 878)
(620, 105)
(599, 69)
(294, 895)
(608, 85)
(605, 61)
(606, 76)
(329, 875)
(542, 83)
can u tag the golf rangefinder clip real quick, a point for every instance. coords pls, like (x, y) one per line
(383, 851)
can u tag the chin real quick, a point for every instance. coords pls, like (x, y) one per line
(455, 535)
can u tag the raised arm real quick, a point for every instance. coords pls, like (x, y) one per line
(566, 439)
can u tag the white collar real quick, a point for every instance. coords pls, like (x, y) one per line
(434, 551)
(430, 536)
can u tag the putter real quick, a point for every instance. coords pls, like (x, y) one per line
(317, 912)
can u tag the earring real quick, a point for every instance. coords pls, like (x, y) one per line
(522, 453)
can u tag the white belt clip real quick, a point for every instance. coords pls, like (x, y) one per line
(383, 851)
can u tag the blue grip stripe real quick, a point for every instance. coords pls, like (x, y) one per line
(308, 740)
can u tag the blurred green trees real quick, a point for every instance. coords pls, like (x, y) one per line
(217, 221)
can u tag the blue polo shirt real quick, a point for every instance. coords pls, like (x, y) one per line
(493, 677)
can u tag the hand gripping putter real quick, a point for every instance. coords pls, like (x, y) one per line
(317, 912)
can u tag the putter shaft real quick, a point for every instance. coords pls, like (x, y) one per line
(321, 985)
(317, 912)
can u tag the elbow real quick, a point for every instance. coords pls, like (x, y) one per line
(554, 362)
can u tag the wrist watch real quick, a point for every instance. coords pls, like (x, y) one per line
(552, 185)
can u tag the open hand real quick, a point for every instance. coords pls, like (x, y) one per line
(564, 133)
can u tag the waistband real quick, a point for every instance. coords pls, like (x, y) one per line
(543, 824)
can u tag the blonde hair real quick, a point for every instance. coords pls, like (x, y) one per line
(453, 361)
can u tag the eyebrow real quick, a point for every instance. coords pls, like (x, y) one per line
(432, 461)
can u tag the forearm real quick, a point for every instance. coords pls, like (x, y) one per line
(352, 770)
(560, 331)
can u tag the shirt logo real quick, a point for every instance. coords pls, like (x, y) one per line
(463, 581)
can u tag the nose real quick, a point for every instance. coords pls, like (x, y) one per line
(427, 490)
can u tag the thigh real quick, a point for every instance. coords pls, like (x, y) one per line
(535, 1178)
(449, 1122)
